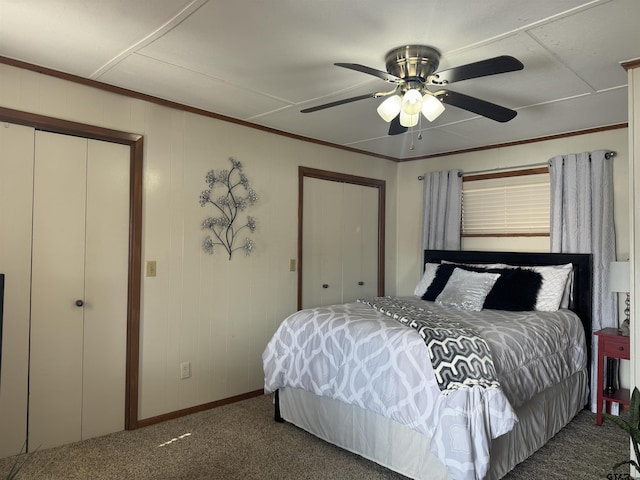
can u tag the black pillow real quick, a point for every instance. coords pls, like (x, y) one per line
(515, 290)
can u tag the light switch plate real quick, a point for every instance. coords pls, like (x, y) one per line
(151, 268)
(185, 370)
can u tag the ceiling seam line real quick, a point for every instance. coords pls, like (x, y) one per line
(169, 25)
(526, 28)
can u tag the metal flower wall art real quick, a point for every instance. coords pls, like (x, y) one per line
(229, 194)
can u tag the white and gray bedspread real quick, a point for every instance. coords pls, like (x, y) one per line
(358, 355)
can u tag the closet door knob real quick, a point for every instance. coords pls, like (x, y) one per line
(325, 285)
(79, 303)
(360, 283)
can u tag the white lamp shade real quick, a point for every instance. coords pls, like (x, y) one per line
(390, 108)
(431, 107)
(619, 277)
(407, 120)
(412, 102)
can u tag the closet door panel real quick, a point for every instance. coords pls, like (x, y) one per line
(106, 279)
(352, 242)
(360, 230)
(311, 243)
(369, 241)
(57, 283)
(16, 195)
(331, 239)
(322, 243)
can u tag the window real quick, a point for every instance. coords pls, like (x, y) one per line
(514, 203)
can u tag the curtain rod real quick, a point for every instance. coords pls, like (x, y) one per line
(607, 155)
(421, 177)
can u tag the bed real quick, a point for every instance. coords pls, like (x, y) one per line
(437, 385)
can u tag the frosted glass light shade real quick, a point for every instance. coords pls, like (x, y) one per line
(407, 120)
(412, 102)
(390, 108)
(431, 107)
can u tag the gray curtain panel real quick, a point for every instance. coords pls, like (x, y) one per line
(582, 222)
(442, 207)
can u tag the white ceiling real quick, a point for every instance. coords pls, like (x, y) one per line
(263, 61)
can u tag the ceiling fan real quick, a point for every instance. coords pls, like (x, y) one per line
(412, 68)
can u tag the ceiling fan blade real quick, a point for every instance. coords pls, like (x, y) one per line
(483, 68)
(339, 102)
(475, 105)
(349, 100)
(387, 77)
(395, 128)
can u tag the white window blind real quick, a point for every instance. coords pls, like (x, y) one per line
(506, 206)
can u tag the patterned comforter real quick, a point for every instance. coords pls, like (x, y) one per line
(459, 356)
(360, 356)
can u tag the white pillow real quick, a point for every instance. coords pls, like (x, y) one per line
(567, 296)
(467, 290)
(428, 276)
(554, 282)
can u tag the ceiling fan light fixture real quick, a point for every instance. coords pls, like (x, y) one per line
(390, 108)
(407, 120)
(412, 102)
(431, 107)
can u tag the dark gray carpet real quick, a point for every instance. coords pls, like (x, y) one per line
(241, 441)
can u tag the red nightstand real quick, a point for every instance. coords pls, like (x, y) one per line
(610, 345)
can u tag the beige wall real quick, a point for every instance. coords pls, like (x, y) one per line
(215, 313)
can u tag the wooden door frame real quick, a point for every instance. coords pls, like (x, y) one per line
(135, 143)
(342, 178)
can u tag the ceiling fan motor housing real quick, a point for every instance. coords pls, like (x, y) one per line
(412, 62)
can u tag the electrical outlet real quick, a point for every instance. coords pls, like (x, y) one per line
(151, 268)
(292, 265)
(185, 370)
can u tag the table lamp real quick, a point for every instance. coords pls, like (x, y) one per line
(619, 281)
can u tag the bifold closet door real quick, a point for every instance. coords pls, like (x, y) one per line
(79, 289)
(339, 242)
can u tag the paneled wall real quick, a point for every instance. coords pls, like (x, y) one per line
(204, 309)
